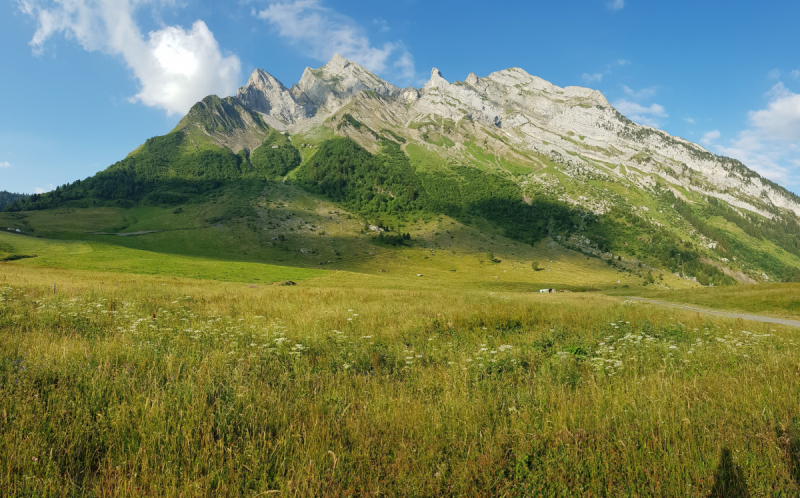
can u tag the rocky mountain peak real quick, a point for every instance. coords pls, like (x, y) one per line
(436, 81)
(329, 87)
(268, 96)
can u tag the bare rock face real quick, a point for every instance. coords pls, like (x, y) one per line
(330, 87)
(579, 128)
(265, 94)
(319, 91)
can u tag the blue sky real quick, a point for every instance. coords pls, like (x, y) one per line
(84, 82)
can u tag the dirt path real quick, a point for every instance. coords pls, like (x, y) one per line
(728, 314)
(144, 232)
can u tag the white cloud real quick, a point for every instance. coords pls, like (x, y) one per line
(771, 144)
(592, 78)
(796, 74)
(175, 67)
(641, 114)
(709, 137)
(690, 120)
(5, 164)
(321, 32)
(781, 119)
(40, 190)
(616, 4)
(775, 74)
(623, 62)
(643, 94)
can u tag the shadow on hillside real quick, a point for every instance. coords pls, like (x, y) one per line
(530, 223)
(729, 480)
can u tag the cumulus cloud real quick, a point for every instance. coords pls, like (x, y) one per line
(771, 145)
(780, 121)
(616, 4)
(321, 32)
(5, 164)
(640, 114)
(175, 67)
(592, 78)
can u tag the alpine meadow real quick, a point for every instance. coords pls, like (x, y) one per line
(490, 287)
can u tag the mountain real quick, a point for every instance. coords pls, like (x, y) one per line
(509, 152)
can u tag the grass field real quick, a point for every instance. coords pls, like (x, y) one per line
(98, 256)
(137, 385)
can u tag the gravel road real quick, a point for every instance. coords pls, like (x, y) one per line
(728, 314)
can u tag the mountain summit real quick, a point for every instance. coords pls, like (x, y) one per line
(323, 90)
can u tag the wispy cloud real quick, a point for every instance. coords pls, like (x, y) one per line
(771, 145)
(175, 67)
(592, 78)
(638, 113)
(616, 4)
(320, 32)
(589, 78)
(643, 94)
(796, 74)
(775, 74)
(690, 120)
(709, 137)
(5, 164)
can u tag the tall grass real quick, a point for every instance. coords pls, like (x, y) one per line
(187, 388)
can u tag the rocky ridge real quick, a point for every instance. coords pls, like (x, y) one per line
(521, 116)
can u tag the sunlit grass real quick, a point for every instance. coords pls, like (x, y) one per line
(130, 385)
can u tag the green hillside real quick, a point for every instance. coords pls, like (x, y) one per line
(7, 198)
